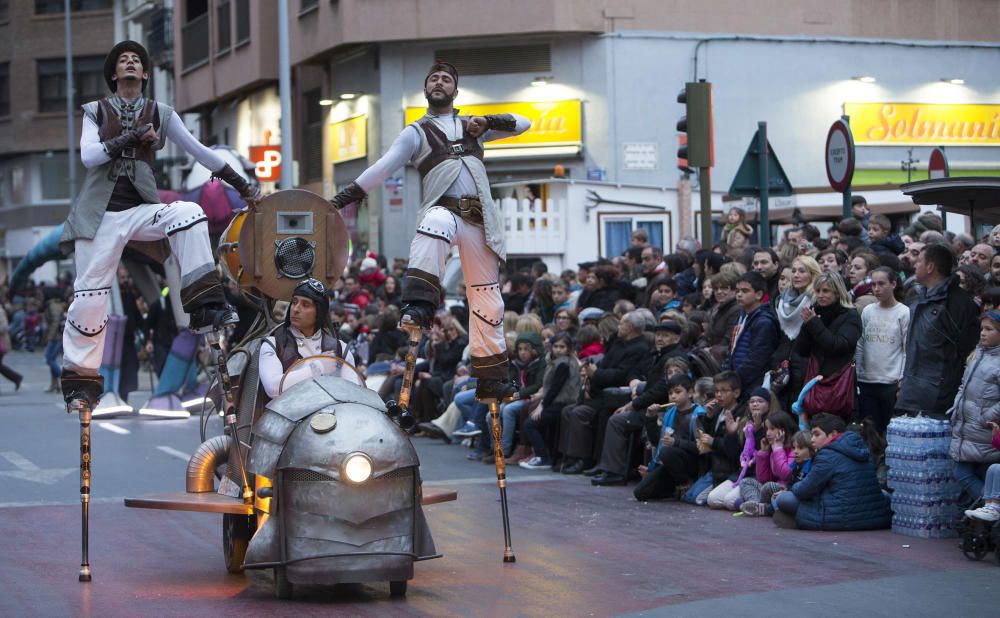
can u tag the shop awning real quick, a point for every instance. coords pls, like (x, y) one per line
(977, 197)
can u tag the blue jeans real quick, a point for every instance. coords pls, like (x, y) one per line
(52, 352)
(786, 502)
(508, 423)
(475, 413)
(991, 490)
(969, 474)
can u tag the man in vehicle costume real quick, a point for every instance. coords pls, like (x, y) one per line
(119, 205)
(456, 209)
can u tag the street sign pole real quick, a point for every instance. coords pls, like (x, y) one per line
(847, 192)
(705, 182)
(764, 235)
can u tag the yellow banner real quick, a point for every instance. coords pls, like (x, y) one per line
(912, 124)
(552, 122)
(349, 139)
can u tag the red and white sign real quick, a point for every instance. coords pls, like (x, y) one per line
(937, 166)
(840, 156)
(268, 161)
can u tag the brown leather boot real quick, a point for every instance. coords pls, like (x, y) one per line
(521, 453)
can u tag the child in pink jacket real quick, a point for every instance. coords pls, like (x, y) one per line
(772, 462)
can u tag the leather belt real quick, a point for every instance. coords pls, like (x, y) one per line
(469, 208)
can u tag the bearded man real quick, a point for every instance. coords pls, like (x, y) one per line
(456, 209)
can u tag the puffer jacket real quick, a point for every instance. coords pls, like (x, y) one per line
(944, 328)
(841, 491)
(977, 402)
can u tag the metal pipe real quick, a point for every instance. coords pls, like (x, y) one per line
(202, 465)
(498, 460)
(285, 96)
(70, 108)
(85, 463)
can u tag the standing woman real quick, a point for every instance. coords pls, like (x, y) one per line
(858, 269)
(829, 338)
(796, 297)
(881, 353)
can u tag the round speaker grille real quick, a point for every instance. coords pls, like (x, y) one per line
(294, 257)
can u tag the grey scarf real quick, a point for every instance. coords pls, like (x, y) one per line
(127, 114)
(789, 311)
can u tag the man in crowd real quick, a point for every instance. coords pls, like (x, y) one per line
(944, 328)
(767, 265)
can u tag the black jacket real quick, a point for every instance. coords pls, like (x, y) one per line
(944, 328)
(623, 361)
(831, 339)
(724, 459)
(602, 298)
(656, 390)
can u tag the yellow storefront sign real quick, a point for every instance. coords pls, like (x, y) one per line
(553, 123)
(912, 124)
(349, 139)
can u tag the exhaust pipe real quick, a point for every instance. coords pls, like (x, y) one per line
(201, 468)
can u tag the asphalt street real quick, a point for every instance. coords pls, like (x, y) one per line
(581, 550)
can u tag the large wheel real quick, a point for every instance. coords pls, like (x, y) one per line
(236, 533)
(282, 587)
(397, 588)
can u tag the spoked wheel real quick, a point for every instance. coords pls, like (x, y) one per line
(397, 588)
(236, 533)
(282, 587)
(974, 546)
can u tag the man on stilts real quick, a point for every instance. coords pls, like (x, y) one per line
(456, 209)
(119, 204)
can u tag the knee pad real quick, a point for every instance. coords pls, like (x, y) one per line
(486, 303)
(88, 313)
(438, 223)
(185, 215)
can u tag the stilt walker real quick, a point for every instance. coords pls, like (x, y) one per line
(119, 205)
(456, 209)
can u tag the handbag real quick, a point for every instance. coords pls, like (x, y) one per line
(834, 394)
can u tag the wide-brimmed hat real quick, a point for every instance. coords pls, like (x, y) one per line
(111, 61)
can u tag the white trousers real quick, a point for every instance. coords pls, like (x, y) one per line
(438, 231)
(184, 225)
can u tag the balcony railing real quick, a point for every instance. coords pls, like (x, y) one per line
(194, 42)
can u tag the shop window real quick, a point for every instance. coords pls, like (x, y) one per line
(223, 26)
(46, 7)
(4, 89)
(54, 173)
(242, 21)
(494, 60)
(88, 77)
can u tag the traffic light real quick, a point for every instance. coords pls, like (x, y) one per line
(698, 150)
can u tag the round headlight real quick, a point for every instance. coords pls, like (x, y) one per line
(357, 468)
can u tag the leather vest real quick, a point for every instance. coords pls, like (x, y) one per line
(287, 349)
(110, 126)
(443, 149)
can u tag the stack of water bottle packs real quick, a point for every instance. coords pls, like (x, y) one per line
(925, 494)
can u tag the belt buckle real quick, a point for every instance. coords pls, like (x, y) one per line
(128, 152)
(457, 149)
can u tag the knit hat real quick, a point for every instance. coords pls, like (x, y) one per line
(368, 264)
(761, 392)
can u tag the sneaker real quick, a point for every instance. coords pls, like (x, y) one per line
(754, 509)
(702, 498)
(416, 315)
(535, 463)
(467, 430)
(500, 390)
(984, 513)
(212, 318)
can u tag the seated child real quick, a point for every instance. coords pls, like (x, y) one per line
(841, 491)
(991, 488)
(675, 461)
(773, 464)
(719, 439)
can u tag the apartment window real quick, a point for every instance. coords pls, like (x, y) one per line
(4, 89)
(312, 138)
(242, 21)
(194, 34)
(4, 10)
(45, 7)
(307, 5)
(223, 26)
(88, 78)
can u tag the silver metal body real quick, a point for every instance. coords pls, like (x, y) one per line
(323, 528)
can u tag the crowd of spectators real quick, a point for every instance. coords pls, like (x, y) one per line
(754, 379)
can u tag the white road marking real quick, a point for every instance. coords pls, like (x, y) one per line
(174, 452)
(28, 471)
(114, 428)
